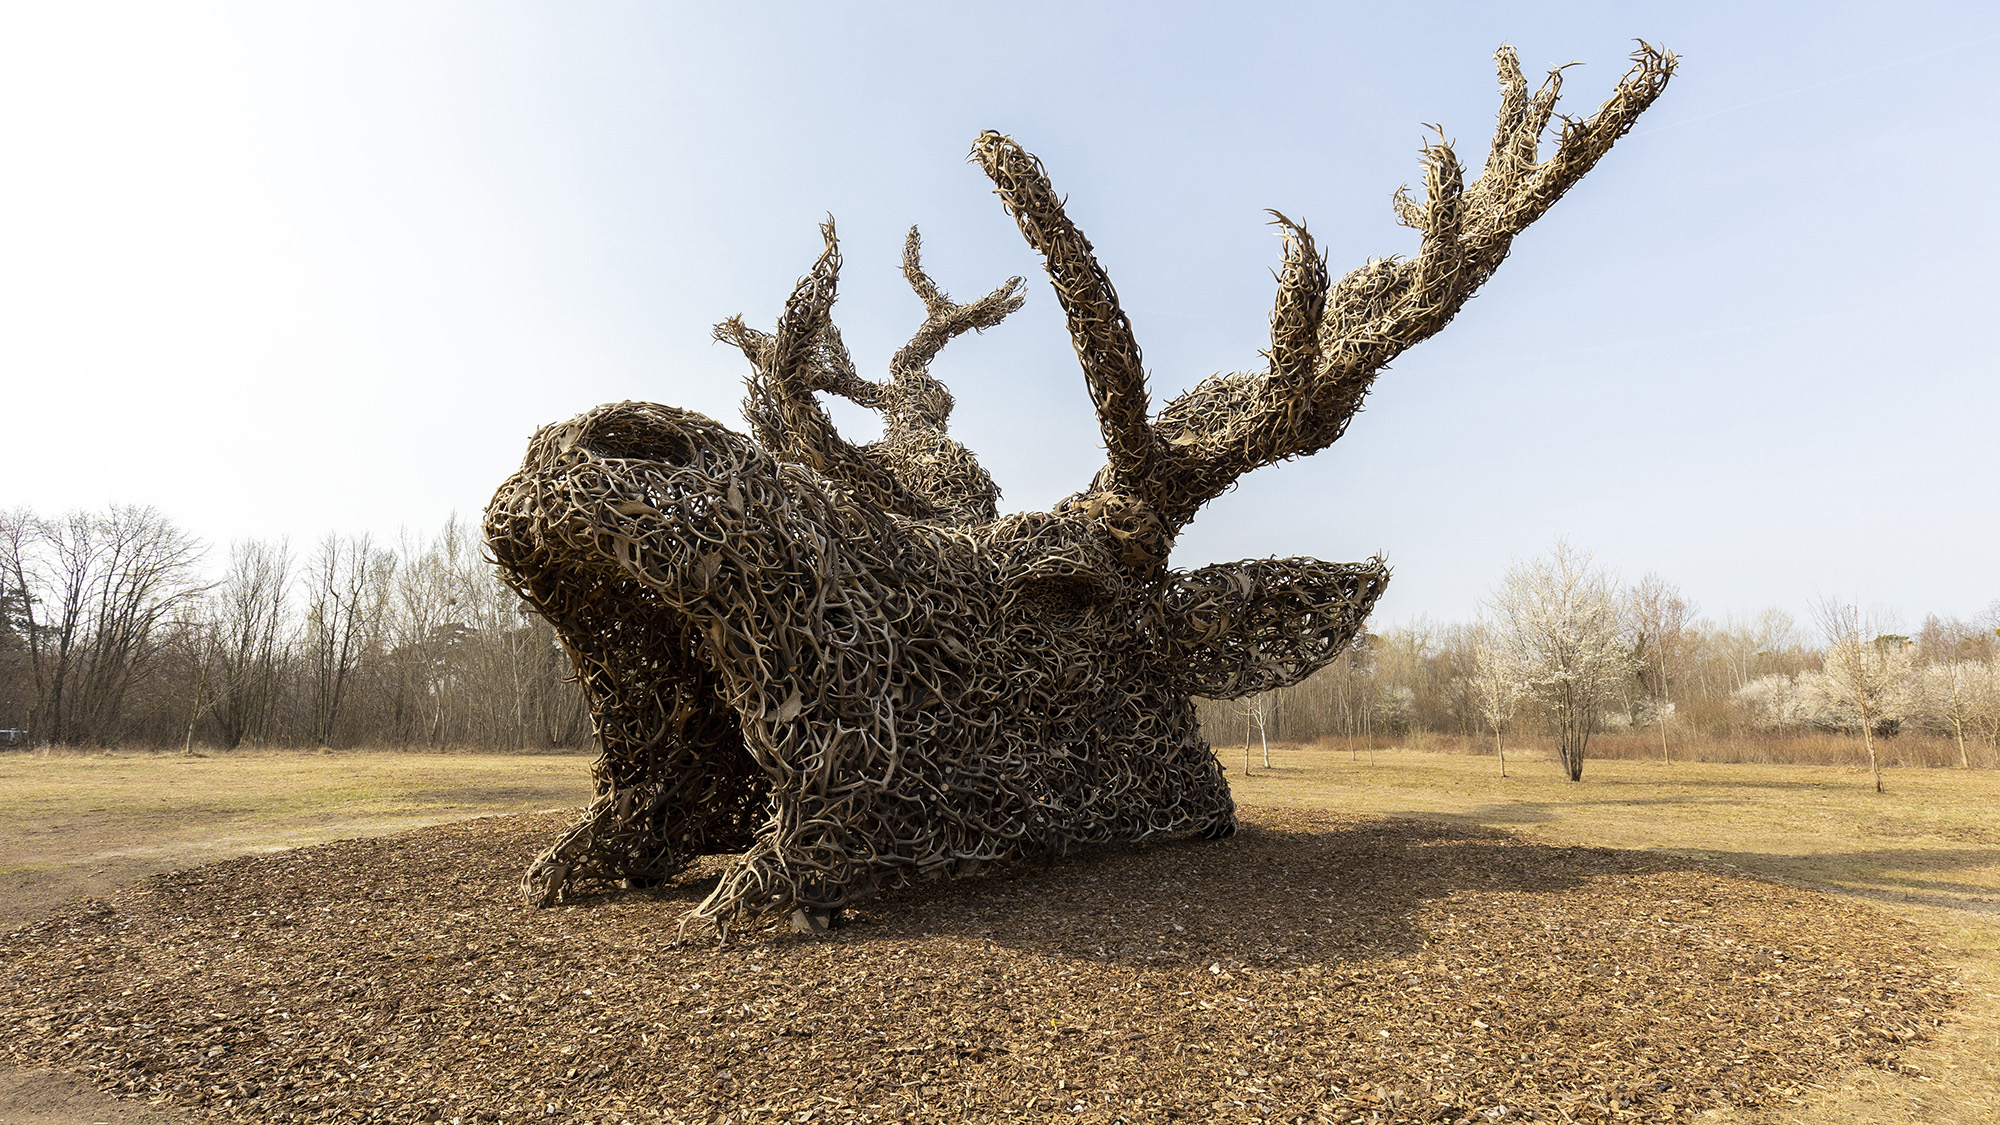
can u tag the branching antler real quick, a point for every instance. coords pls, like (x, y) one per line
(805, 355)
(916, 401)
(1326, 346)
(917, 470)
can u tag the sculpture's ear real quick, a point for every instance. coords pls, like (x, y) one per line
(1236, 629)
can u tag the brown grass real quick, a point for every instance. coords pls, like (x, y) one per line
(1915, 750)
(75, 824)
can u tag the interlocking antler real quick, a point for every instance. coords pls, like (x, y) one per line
(1327, 344)
(917, 469)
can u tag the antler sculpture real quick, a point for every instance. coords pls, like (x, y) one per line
(840, 662)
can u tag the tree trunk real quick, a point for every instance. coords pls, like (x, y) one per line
(194, 713)
(1500, 745)
(1570, 749)
(1868, 742)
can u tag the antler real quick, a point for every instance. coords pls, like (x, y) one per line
(1327, 343)
(915, 399)
(805, 355)
(916, 470)
(1112, 366)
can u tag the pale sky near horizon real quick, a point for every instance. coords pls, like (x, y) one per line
(291, 269)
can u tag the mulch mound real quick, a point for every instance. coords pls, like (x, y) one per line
(1314, 968)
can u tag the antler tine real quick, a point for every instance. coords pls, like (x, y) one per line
(913, 272)
(1513, 110)
(830, 369)
(1580, 143)
(1227, 425)
(808, 313)
(945, 320)
(1112, 366)
(1300, 306)
(780, 406)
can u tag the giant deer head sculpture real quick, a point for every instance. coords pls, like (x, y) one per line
(840, 662)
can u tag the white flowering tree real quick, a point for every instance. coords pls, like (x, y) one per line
(1807, 701)
(1956, 696)
(1868, 675)
(1496, 691)
(1556, 620)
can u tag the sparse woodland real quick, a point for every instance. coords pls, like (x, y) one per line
(114, 633)
(118, 629)
(1564, 655)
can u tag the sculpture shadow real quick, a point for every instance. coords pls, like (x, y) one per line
(1284, 892)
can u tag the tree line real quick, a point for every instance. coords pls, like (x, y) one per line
(1561, 653)
(113, 634)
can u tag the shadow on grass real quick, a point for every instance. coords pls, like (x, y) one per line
(1884, 874)
(483, 796)
(1880, 874)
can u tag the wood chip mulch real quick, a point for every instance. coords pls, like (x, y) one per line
(1314, 968)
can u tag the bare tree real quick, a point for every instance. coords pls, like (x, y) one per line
(341, 602)
(1557, 620)
(1871, 675)
(1256, 712)
(17, 621)
(95, 591)
(421, 635)
(196, 644)
(1986, 720)
(248, 612)
(1662, 641)
(52, 564)
(1947, 640)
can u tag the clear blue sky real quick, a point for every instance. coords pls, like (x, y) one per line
(284, 269)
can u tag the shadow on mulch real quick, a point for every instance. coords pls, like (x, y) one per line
(1313, 968)
(1321, 892)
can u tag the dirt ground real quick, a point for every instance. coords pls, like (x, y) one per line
(1928, 853)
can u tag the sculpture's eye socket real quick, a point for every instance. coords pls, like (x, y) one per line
(640, 437)
(1059, 601)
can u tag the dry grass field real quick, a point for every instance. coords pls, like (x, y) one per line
(1927, 852)
(73, 824)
